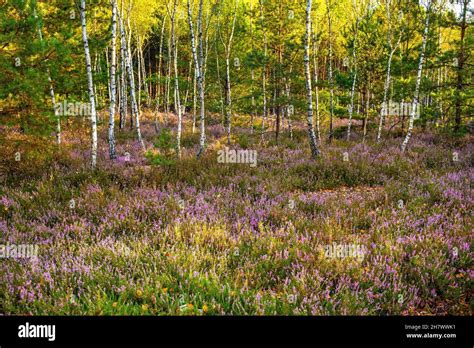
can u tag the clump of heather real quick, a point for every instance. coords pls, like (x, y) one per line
(363, 230)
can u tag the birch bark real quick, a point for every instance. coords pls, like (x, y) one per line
(174, 49)
(131, 83)
(112, 153)
(198, 61)
(311, 135)
(331, 84)
(393, 48)
(90, 85)
(418, 78)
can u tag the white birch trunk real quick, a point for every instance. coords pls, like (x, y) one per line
(131, 82)
(288, 113)
(309, 91)
(123, 80)
(228, 99)
(383, 111)
(174, 49)
(139, 67)
(316, 79)
(264, 72)
(219, 82)
(252, 75)
(331, 85)
(168, 79)
(418, 79)
(194, 99)
(90, 85)
(160, 60)
(198, 61)
(112, 83)
(128, 52)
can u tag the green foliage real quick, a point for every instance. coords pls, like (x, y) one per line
(158, 159)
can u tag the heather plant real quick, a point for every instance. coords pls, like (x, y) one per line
(245, 240)
(236, 157)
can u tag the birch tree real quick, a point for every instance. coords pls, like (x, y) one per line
(198, 63)
(289, 110)
(393, 48)
(174, 49)
(414, 106)
(128, 52)
(131, 83)
(112, 153)
(331, 83)
(264, 72)
(316, 81)
(51, 89)
(90, 85)
(227, 43)
(252, 74)
(160, 60)
(312, 137)
(123, 79)
(168, 78)
(354, 70)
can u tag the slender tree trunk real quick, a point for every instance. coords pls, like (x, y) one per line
(128, 51)
(168, 79)
(316, 80)
(123, 88)
(143, 72)
(174, 49)
(107, 68)
(90, 84)
(194, 99)
(219, 82)
(131, 82)
(96, 70)
(112, 83)
(252, 75)
(278, 77)
(198, 61)
(228, 97)
(139, 67)
(264, 72)
(311, 135)
(414, 106)
(123, 80)
(288, 112)
(158, 83)
(148, 86)
(206, 50)
(188, 83)
(354, 81)
(331, 84)
(367, 109)
(51, 91)
(393, 49)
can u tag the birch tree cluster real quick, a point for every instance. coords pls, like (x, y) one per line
(335, 68)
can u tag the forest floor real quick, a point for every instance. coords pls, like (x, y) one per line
(364, 229)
